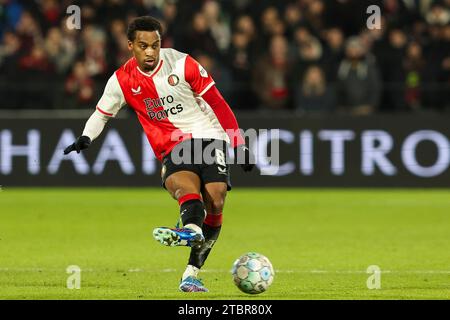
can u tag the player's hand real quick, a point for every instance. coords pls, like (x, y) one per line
(244, 157)
(81, 143)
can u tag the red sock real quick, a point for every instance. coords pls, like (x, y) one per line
(187, 197)
(213, 220)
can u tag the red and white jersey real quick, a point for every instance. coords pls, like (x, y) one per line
(168, 101)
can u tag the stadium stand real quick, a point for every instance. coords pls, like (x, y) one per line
(306, 56)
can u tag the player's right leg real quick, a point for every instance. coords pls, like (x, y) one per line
(184, 186)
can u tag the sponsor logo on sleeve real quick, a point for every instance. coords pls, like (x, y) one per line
(203, 72)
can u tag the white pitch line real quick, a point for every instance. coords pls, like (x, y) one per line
(141, 270)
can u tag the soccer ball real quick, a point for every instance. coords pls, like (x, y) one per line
(252, 273)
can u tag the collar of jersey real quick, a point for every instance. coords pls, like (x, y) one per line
(153, 72)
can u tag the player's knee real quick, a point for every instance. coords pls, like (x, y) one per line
(217, 206)
(217, 202)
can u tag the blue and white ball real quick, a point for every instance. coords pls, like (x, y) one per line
(252, 273)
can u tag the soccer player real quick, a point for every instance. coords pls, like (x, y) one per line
(180, 109)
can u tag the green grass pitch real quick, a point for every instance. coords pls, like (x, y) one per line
(320, 243)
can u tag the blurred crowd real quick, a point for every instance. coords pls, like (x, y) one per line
(307, 56)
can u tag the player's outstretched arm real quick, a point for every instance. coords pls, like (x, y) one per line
(109, 105)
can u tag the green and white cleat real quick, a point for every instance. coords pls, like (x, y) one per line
(174, 237)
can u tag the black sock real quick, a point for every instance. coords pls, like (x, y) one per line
(192, 211)
(198, 257)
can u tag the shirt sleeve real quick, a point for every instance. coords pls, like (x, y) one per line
(112, 99)
(95, 125)
(197, 77)
(225, 116)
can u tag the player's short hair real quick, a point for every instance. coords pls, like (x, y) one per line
(145, 23)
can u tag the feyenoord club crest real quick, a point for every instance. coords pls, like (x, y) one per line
(173, 80)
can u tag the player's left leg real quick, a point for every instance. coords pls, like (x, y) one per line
(214, 195)
(185, 187)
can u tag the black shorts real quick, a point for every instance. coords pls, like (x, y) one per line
(207, 158)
